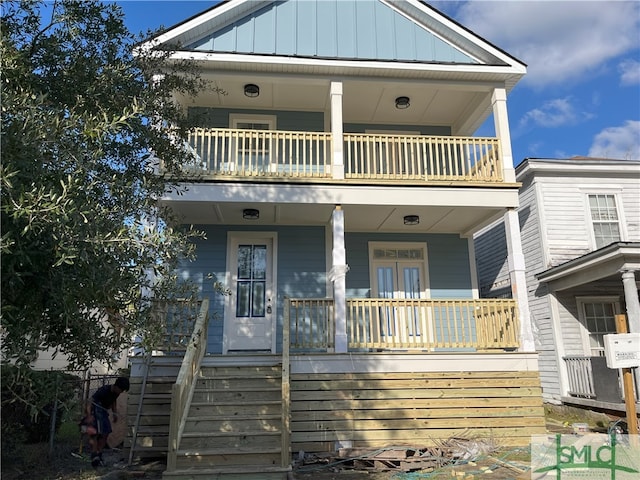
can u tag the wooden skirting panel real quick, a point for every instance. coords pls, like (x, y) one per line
(333, 410)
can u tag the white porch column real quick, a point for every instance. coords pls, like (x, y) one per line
(336, 130)
(518, 278)
(501, 123)
(631, 299)
(337, 275)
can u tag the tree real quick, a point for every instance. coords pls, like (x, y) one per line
(84, 122)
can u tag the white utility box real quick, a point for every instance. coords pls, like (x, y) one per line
(622, 350)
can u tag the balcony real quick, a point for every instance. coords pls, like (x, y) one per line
(286, 155)
(376, 324)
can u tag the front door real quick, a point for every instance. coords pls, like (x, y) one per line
(249, 318)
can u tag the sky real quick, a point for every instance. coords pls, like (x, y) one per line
(581, 94)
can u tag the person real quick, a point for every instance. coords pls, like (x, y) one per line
(97, 415)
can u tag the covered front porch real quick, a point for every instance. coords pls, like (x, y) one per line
(249, 413)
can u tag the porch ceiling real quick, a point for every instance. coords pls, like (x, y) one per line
(456, 103)
(358, 218)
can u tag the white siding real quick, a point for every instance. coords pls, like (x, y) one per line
(555, 228)
(531, 220)
(567, 226)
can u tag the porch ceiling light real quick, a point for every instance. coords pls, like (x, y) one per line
(402, 103)
(251, 90)
(411, 219)
(250, 214)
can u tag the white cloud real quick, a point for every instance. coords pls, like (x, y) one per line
(560, 41)
(554, 113)
(618, 142)
(629, 72)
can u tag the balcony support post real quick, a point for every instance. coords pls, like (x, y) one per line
(336, 131)
(501, 122)
(631, 300)
(337, 275)
(518, 278)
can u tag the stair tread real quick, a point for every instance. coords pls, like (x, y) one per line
(230, 469)
(187, 452)
(273, 376)
(246, 433)
(244, 403)
(235, 389)
(257, 416)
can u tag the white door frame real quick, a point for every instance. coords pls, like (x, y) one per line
(233, 238)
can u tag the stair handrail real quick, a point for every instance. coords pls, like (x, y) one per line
(182, 390)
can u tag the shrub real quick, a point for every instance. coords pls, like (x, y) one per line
(27, 401)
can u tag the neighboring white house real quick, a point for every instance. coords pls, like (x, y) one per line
(580, 224)
(49, 359)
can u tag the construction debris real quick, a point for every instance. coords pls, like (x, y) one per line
(399, 457)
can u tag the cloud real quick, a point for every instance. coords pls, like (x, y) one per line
(618, 142)
(560, 41)
(630, 72)
(554, 113)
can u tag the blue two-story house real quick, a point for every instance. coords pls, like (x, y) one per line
(339, 184)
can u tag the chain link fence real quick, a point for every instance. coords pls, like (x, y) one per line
(71, 410)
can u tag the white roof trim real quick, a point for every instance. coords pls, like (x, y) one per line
(470, 37)
(329, 63)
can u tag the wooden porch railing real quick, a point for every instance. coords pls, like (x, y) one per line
(176, 319)
(287, 154)
(182, 390)
(379, 324)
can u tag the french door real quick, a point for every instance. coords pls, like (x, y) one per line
(399, 273)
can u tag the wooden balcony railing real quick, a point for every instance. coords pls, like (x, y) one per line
(410, 157)
(269, 153)
(379, 324)
(371, 157)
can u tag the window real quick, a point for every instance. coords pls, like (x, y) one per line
(604, 219)
(598, 317)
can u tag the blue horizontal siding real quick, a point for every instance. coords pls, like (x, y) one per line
(423, 129)
(207, 117)
(447, 255)
(301, 270)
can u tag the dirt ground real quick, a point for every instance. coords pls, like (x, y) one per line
(68, 465)
(69, 462)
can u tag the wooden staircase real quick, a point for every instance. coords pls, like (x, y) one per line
(149, 432)
(234, 427)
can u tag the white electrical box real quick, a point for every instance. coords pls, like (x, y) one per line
(622, 350)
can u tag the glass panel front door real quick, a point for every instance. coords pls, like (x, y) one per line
(249, 325)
